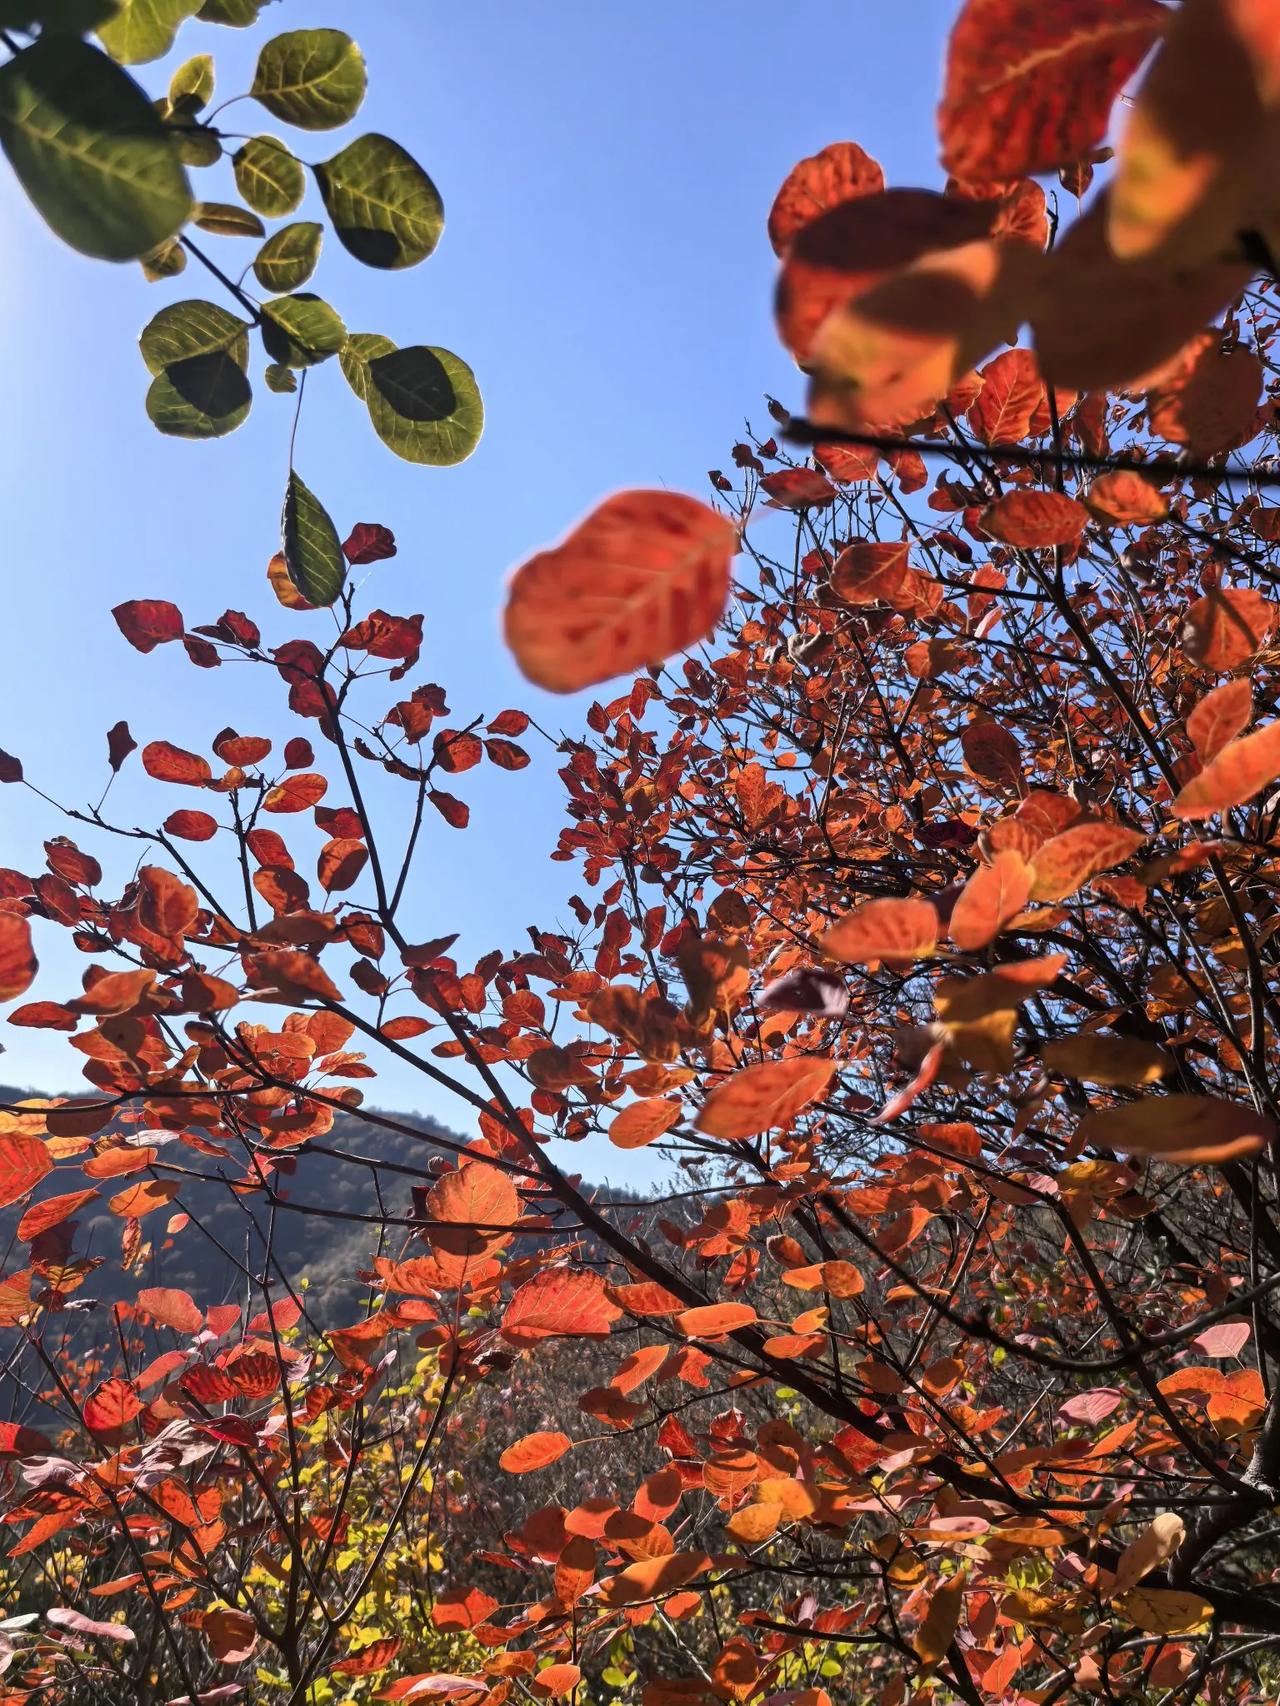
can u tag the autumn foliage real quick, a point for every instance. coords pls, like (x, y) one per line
(928, 937)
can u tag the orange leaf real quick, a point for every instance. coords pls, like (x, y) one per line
(18, 965)
(166, 904)
(170, 1308)
(649, 1578)
(1106, 1060)
(764, 1097)
(839, 172)
(993, 895)
(1227, 626)
(1234, 776)
(1011, 393)
(841, 1279)
(938, 1629)
(24, 1161)
(714, 1320)
(143, 1198)
(644, 576)
(1125, 498)
(1180, 1128)
(534, 1451)
(895, 931)
(1209, 402)
(553, 1682)
(643, 1121)
(293, 974)
(1029, 88)
(560, 1303)
(1034, 520)
(172, 764)
(1219, 717)
(1080, 852)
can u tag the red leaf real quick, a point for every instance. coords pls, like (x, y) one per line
(840, 172)
(1034, 520)
(1234, 776)
(149, 622)
(534, 1451)
(644, 576)
(191, 826)
(168, 1307)
(18, 964)
(10, 768)
(120, 743)
(560, 1303)
(369, 543)
(1227, 626)
(171, 764)
(111, 1406)
(296, 793)
(456, 813)
(1029, 88)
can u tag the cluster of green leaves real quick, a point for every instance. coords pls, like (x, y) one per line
(108, 167)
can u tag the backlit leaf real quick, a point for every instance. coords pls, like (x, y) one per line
(24, 1161)
(1035, 520)
(993, 895)
(423, 402)
(385, 209)
(288, 257)
(764, 1097)
(560, 1303)
(645, 575)
(144, 29)
(314, 79)
(534, 1451)
(1227, 626)
(17, 956)
(1180, 1128)
(641, 1122)
(1067, 861)
(89, 149)
(310, 545)
(1234, 776)
(895, 931)
(269, 177)
(840, 172)
(1219, 717)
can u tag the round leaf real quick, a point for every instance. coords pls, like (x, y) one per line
(384, 207)
(192, 328)
(424, 403)
(288, 258)
(144, 29)
(191, 86)
(268, 176)
(312, 78)
(301, 330)
(205, 396)
(89, 149)
(312, 550)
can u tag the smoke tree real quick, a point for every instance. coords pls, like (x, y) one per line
(928, 935)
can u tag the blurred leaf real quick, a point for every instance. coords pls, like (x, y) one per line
(225, 219)
(384, 207)
(288, 257)
(301, 330)
(424, 403)
(186, 329)
(268, 176)
(144, 29)
(72, 17)
(238, 13)
(191, 86)
(280, 378)
(166, 260)
(195, 144)
(203, 396)
(89, 150)
(312, 550)
(312, 78)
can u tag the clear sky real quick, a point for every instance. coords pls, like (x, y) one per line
(606, 172)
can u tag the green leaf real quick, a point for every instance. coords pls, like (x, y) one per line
(238, 13)
(192, 328)
(89, 150)
(269, 178)
(312, 78)
(144, 29)
(424, 402)
(312, 551)
(280, 378)
(206, 396)
(288, 259)
(191, 86)
(384, 207)
(226, 219)
(301, 330)
(166, 260)
(196, 145)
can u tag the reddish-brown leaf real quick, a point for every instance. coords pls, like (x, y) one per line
(296, 793)
(169, 1307)
(1034, 520)
(18, 964)
(191, 826)
(1029, 87)
(993, 895)
(169, 763)
(149, 622)
(1125, 498)
(1012, 391)
(839, 172)
(644, 576)
(1068, 860)
(643, 1121)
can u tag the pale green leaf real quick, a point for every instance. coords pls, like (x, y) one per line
(288, 258)
(312, 78)
(423, 402)
(145, 29)
(384, 207)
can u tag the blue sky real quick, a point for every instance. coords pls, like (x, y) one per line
(606, 173)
